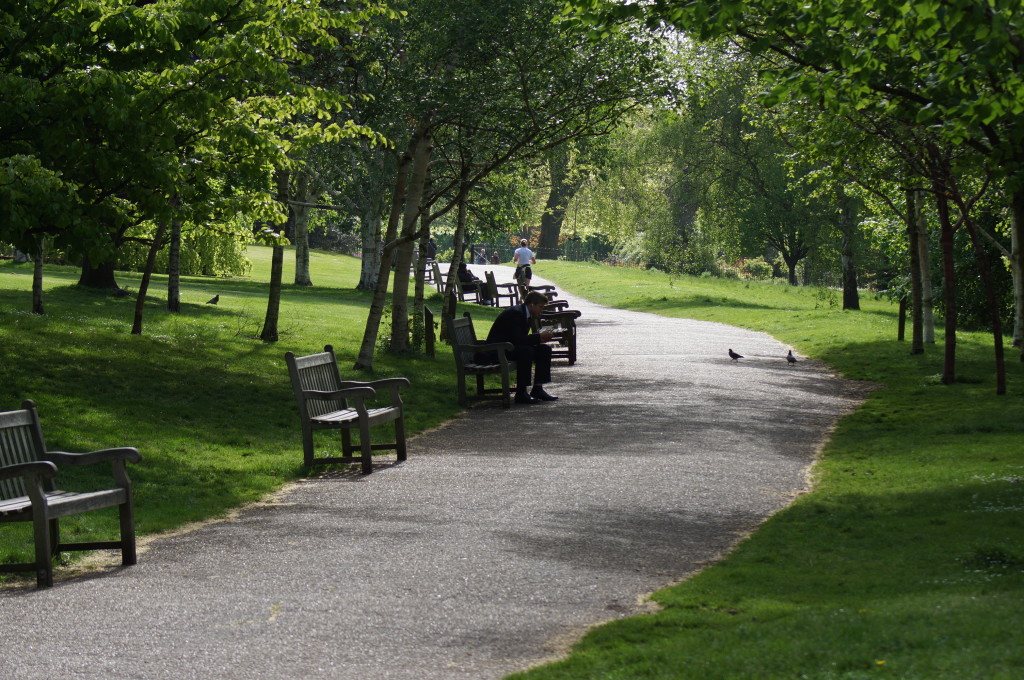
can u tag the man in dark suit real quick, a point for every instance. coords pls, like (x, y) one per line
(513, 325)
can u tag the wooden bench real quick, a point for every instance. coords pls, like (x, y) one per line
(465, 346)
(438, 279)
(563, 344)
(326, 402)
(511, 291)
(28, 492)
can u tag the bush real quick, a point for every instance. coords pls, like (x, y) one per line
(756, 268)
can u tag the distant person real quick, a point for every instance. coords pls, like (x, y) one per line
(470, 282)
(481, 258)
(431, 249)
(528, 349)
(494, 258)
(523, 259)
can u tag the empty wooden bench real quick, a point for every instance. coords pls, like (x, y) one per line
(28, 492)
(326, 402)
(465, 347)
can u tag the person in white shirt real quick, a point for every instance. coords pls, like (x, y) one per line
(523, 258)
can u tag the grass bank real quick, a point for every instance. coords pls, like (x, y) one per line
(907, 559)
(209, 406)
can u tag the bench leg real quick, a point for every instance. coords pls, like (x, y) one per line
(400, 451)
(44, 553)
(364, 445)
(307, 444)
(126, 515)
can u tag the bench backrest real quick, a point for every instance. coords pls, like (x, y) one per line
(492, 285)
(462, 335)
(438, 280)
(315, 372)
(21, 441)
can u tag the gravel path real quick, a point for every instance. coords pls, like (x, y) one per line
(503, 537)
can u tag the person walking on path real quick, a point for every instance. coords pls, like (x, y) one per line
(529, 351)
(523, 259)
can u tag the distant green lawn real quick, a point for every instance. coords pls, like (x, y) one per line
(907, 560)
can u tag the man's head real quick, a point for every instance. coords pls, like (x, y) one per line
(535, 302)
(523, 243)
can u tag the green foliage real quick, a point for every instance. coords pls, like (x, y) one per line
(117, 114)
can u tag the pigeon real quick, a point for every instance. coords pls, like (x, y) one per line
(790, 358)
(734, 356)
(214, 300)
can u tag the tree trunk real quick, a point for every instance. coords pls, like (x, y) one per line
(299, 218)
(174, 268)
(791, 263)
(370, 228)
(37, 276)
(140, 300)
(403, 261)
(848, 228)
(419, 269)
(924, 260)
(269, 331)
(559, 195)
(450, 299)
(398, 197)
(914, 206)
(1017, 265)
(97, 276)
(948, 282)
(990, 300)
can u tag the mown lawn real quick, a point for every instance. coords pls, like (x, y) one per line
(907, 559)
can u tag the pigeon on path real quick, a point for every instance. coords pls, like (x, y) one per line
(733, 355)
(790, 358)
(214, 300)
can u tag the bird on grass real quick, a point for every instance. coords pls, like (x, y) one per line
(733, 355)
(214, 300)
(790, 358)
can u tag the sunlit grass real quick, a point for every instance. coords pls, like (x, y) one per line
(906, 561)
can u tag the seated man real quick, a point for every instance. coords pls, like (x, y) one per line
(470, 283)
(513, 325)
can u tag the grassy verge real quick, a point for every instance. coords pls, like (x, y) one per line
(906, 561)
(208, 405)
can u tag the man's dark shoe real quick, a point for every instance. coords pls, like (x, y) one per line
(539, 394)
(526, 399)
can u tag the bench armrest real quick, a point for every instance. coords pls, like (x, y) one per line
(126, 453)
(32, 472)
(360, 392)
(487, 346)
(393, 385)
(376, 384)
(561, 314)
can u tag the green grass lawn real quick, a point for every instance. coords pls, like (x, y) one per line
(906, 561)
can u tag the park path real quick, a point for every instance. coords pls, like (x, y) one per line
(503, 537)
